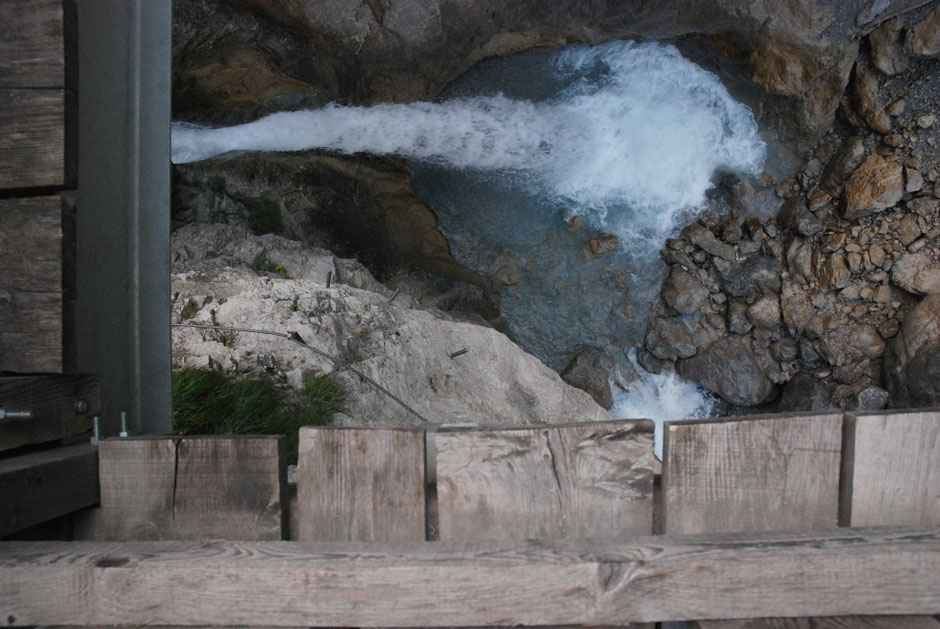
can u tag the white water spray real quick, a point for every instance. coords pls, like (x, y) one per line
(637, 125)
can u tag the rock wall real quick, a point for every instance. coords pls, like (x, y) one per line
(823, 305)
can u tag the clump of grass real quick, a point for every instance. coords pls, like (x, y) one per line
(206, 401)
(264, 264)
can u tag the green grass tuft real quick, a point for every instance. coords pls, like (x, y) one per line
(210, 402)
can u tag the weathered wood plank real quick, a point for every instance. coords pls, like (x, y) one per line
(837, 622)
(558, 481)
(40, 486)
(891, 468)
(33, 139)
(172, 488)
(31, 285)
(506, 582)
(32, 43)
(62, 406)
(775, 472)
(360, 484)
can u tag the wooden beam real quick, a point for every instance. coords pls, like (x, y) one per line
(33, 288)
(837, 622)
(62, 406)
(551, 481)
(171, 488)
(772, 472)
(360, 484)
(32, 43)
(33, 140)
(509, 582)
(40, 486)
(891, 468)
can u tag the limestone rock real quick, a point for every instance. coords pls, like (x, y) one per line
(924, 38)
(847, 159)
(876, 185)
(912, 360)
(730, 369)
(871, 399)
(589, 371)
(405, 350)
(668, 339)
(753, 276)
(601, 245)
(917, 273)
(684, 291)
(887, 50)
(704, 239)
(865, 87)
(796, 309)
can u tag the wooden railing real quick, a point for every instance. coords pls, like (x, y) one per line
(486, 525)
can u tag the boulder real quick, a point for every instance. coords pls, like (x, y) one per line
(847, 159)
(887, 49)
(589, 371)
(704, 239)
(871, 399)
(834, 273)
(912, 360)
(917, 273)
(876, 185)
(804, 393)
(683, 291)
(730, 369)
(865, 87)
(751, 277)
(667, 339)
(416, 354)
(765, 312)
(924, 38)
(848, 344)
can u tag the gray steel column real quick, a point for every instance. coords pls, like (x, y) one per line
(123, 227)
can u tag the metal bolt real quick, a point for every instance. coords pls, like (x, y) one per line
(81, 406)
(95, 430)
(123, 432)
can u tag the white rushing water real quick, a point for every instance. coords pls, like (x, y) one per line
(636, 125)
(628, 136)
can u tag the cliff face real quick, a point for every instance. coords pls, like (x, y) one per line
(445, 368)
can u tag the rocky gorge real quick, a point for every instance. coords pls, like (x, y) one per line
(813, 286)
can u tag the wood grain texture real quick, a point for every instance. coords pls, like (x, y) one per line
(559, 481)
(360, 484)
(40, 486)
(838, 622)
(32, 43)
(506, 582)
(31, 313)
(775, 472)
(179, 488)
(891, 472)
(33, 138)
(52, 399)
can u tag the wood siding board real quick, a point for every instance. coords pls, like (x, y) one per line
(752, 474)
(838, 622)
(508, 582)
(31, 286)
(52, 399)
(33, 138)
(179, 488)
(361, 484)
(40, 486)
(577, 480)
(894, 476)
(32, 44)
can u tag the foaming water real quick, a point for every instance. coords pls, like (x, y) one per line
(633, 125)
(660, 397)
